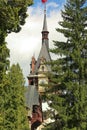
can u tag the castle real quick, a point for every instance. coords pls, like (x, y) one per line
(37, 78)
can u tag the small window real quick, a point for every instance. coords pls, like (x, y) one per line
(42, 68)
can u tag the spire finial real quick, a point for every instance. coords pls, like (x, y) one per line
(45, 22)
(45, 8)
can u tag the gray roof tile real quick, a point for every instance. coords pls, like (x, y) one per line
(31, 96)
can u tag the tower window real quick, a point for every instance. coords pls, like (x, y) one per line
(42, 68)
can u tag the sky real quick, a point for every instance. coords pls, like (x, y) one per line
(28, 41)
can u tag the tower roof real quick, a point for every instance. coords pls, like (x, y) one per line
(32, 96)
(43, 53)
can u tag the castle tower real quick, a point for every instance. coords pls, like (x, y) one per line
(37, 77)
(39, 68)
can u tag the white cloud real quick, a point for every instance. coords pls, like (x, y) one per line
(27, 42)
(52, 4)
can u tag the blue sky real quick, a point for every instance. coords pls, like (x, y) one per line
(28, 41)
(60, 2)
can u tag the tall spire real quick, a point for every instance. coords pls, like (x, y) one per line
(44, 30)
(45, 22)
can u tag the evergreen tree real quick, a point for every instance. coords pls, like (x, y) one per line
(14, 111)
(12, 17)
(68, 86)
(18, 99)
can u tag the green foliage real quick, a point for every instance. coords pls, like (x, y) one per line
(12, 17)
(13, 115)
(68, 82)
(13, 14)
(18, 99)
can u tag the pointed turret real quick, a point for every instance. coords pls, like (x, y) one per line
(45, 32)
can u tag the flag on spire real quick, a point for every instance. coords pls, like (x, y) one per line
(43, 1)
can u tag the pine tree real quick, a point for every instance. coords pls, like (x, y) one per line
(12, 17)
(18, 99)
(68, 86)
(14, 111)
